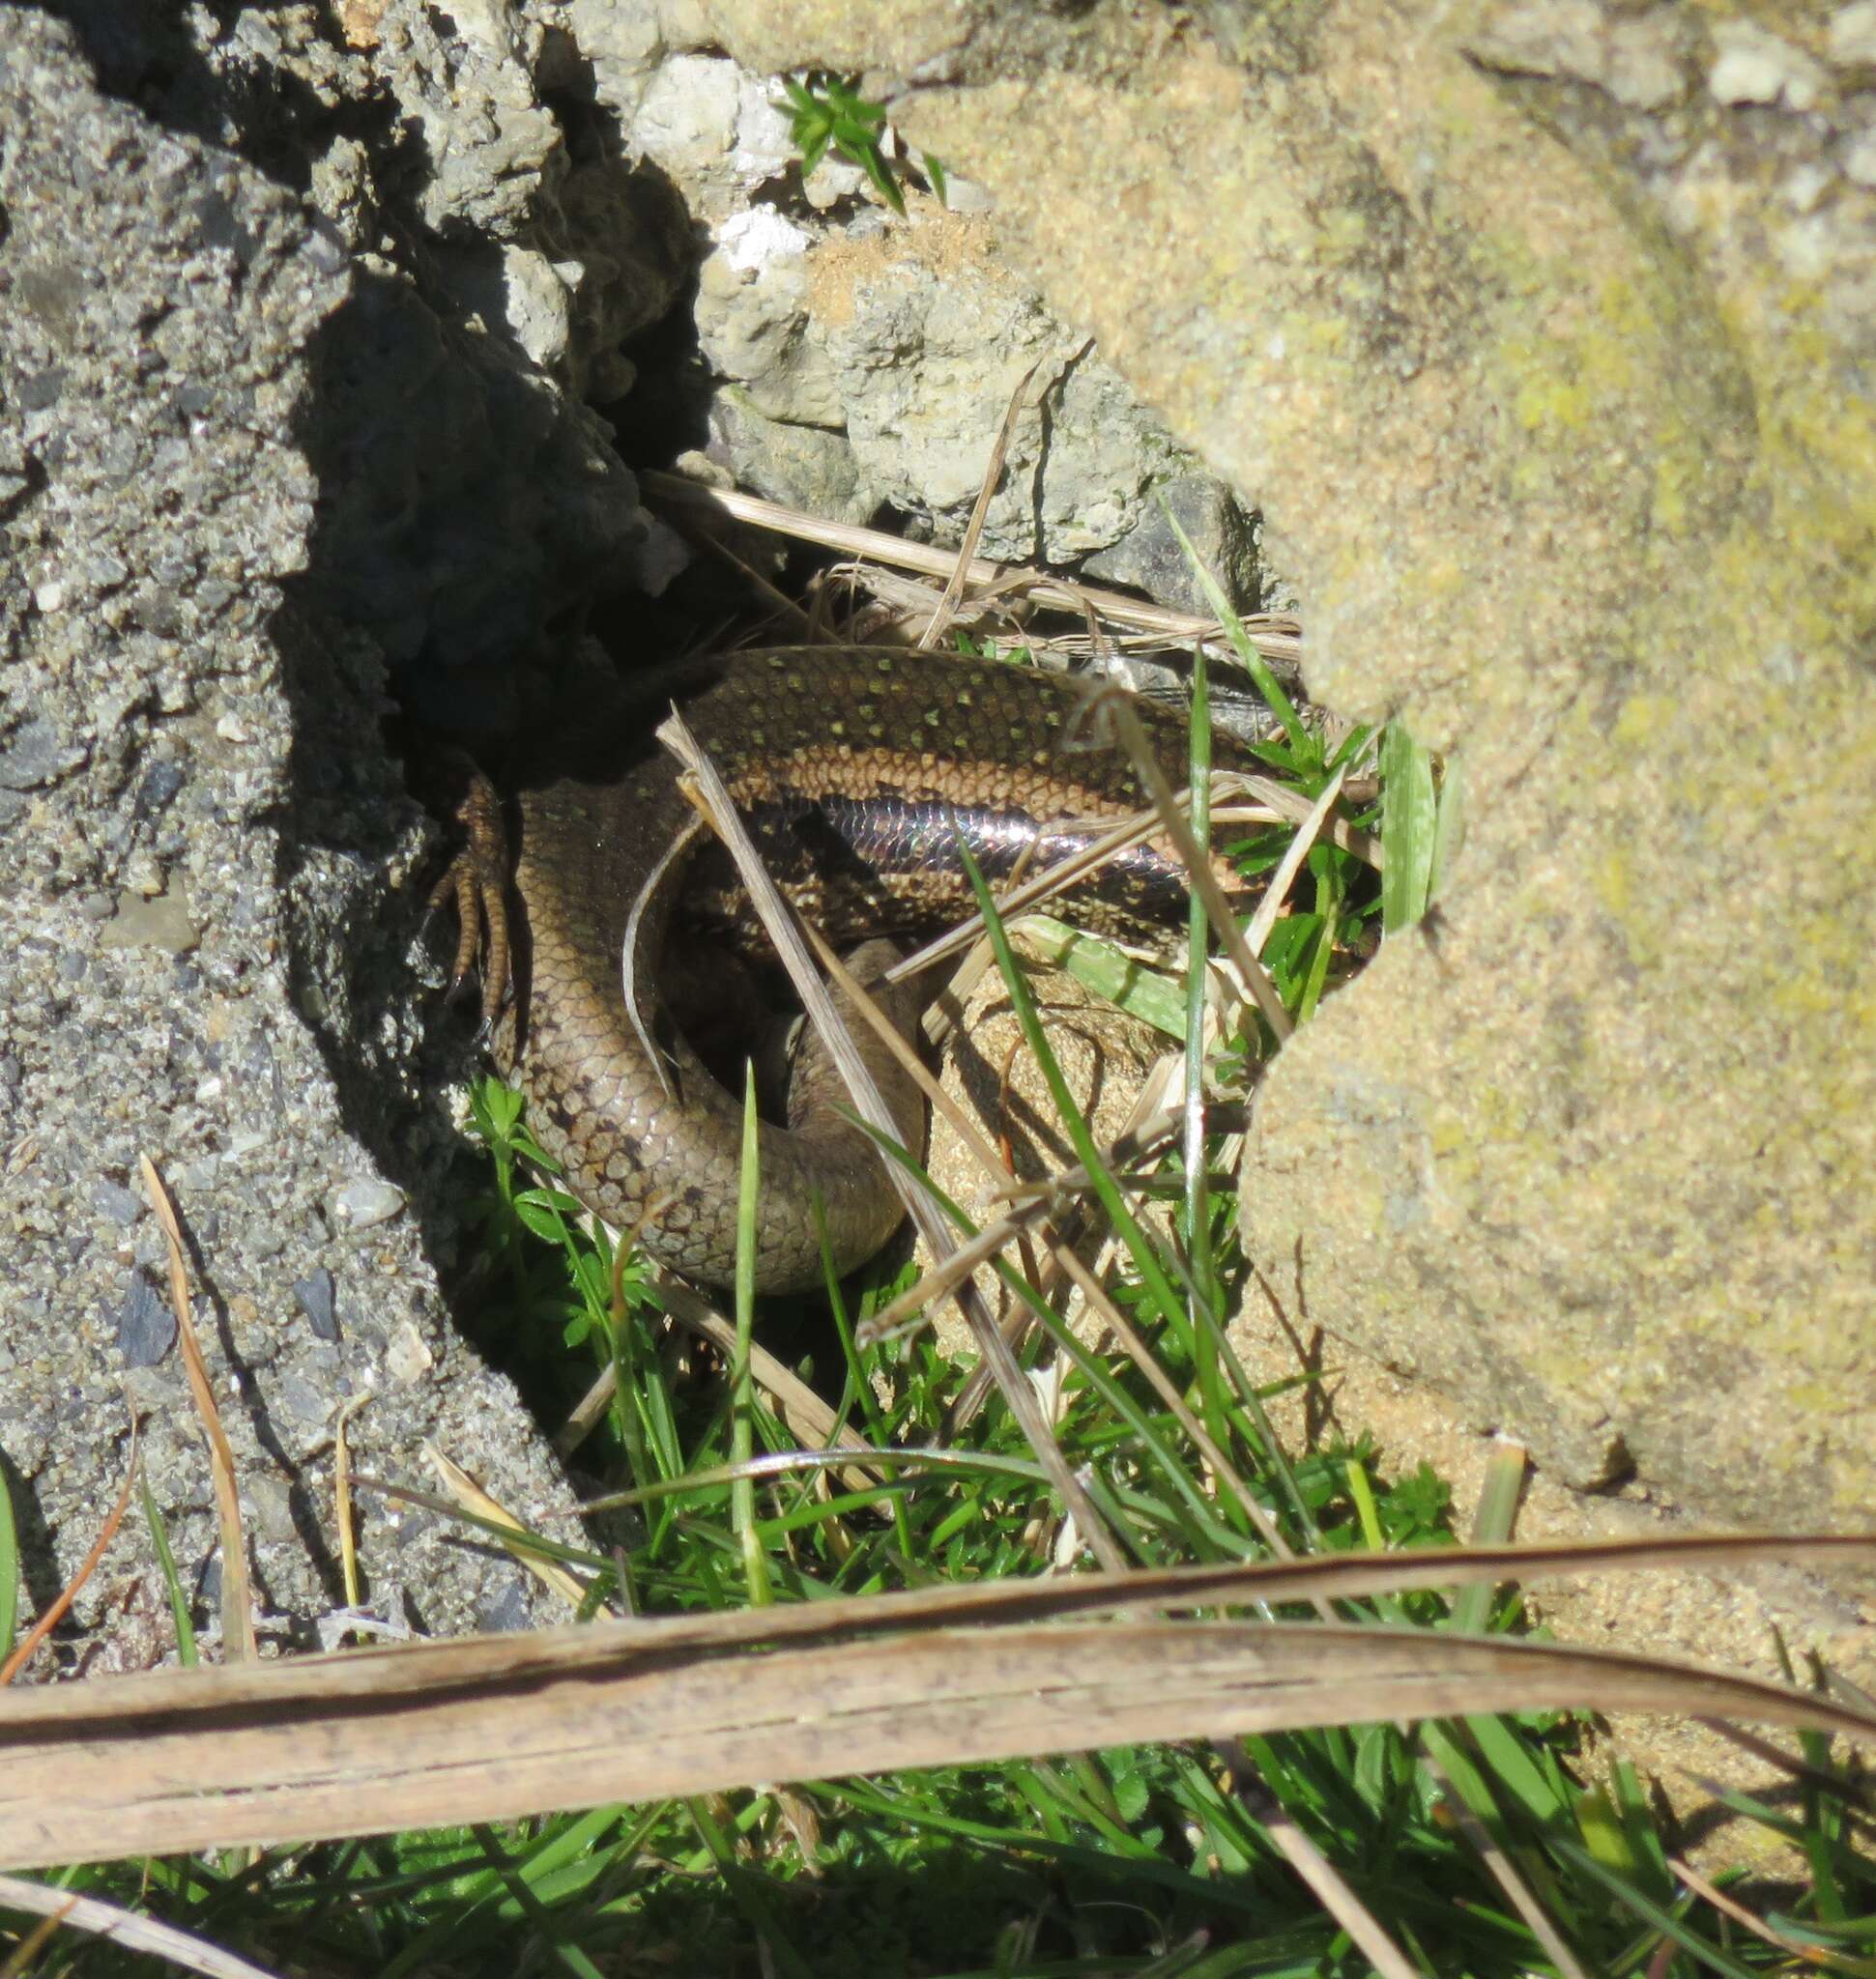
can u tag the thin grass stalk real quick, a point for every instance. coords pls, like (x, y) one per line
(784, 931)
(1139, 1246)
(742, 1493)
(1196, 1191)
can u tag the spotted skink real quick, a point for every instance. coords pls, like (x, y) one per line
(858, 770)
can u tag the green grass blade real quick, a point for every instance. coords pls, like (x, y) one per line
(1306, 746)
(742, 1493)
(1663, 1920)
(1139, 1246)
(1408, 828)
(9, 1568)
(1100, 966)
(1197, 1219)
(185, 1651)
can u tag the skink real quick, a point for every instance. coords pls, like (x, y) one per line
(859, 770)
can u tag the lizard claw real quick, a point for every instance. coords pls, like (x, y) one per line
(476, 884)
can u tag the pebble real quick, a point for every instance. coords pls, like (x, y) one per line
(364, 1204)
(145, 1326)
(316, 1294)
(122, 1206)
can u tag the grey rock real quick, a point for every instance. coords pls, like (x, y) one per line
(317, 1297)
(269, 1504)
(864, 361)
(154, 1390)
(122, 1206)
(1751, 65)
(146, 1324)
(1151, 558)
(714, 129)
(162, 781)
(508, 1610)
(928, 356)
(308, 1403)
(188, 710)
(753, 320)
(37, 754)
(804, 466)
(1640, 61)
(618, 46)
(365, 1203)
(1851, 43)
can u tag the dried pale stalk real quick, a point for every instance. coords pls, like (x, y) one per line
(237, 1607)
(499, 1727)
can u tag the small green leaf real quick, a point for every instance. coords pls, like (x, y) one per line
(543, 1212)
(868, 157)
(186, 1650)
(10, 1566)
(1102, 967)
(1406, 828)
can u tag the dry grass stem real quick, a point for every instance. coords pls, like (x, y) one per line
(1275, 635)
(138, 1933)
(1518, 1892)
(1804, 1954)
(501, 1727)
(954, 589)
(1198, 869)
(804, 1412)
(348, 1544)
(1088, 1283)
(1325, 1882)
(1289, 866)
(472, 1498)
(237, 1608)
(60, 1605)
(1290, 806)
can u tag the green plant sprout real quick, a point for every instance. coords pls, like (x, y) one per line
(826, 109)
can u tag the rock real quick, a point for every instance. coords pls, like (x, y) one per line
(892, 346)
(193, 731)
(714, 129)
(903, 342)
(1555, 406)
(1852, 39)
(161, 921)
(122, 1206)
(753, 324)
(146, 1325)
(807, 467)
(1151, 559)
(315, 1296)
(36, 754)
(1754, 65)
(364, 1204)
(1639, 61)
